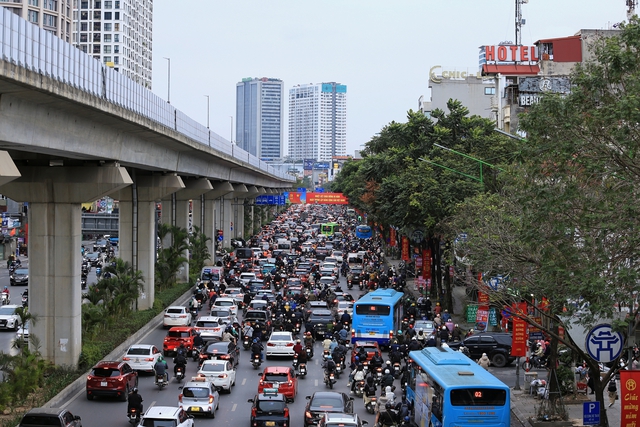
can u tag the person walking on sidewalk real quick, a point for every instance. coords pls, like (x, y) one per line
(613, 392)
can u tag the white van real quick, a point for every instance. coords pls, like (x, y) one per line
(212, 274)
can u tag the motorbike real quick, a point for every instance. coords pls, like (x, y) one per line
(255, 361)
(195, 353)
(246, 342)
(370, 404)
(83, 282)
(134, 416)
(359, 388)
(25, 298)
(397, 369)
(302, 370)
(378, 377)
(98, 271)
(338, 370)
(296, 363)
(161, 381)
(180, 374)
(325, 354)
(330, 379)
(309, 351)
(296, 329)
(4, 299)
(194, 313)
(534, 362)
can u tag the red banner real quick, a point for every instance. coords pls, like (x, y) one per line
(426, 261)
(483, 298)
(392, 237)
(629, 398)
(405, 248)
(519, 337)
(327, 198)
(482, 317)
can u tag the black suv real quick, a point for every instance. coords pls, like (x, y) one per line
(260, 317)
(355, 276)
(269, 409)
(497, 345)
(322, 402)
(319, 318)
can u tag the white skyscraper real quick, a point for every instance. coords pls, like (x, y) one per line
(54, 16)
(118, 33)
(318, 121)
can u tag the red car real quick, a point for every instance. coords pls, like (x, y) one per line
(109, 378)
(281, 377)
(176, 336)
(371, 347)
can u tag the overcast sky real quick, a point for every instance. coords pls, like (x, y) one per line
(382, 50)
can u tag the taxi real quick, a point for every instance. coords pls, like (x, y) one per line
(269, 409)
(282, 378)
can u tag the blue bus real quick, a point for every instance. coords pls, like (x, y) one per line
(364, 232)
(447, 388)
(377, 316)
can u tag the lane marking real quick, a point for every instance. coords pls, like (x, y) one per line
(244, 381)
(316, 383)
(233, 408)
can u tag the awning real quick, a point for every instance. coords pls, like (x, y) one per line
(510, 69)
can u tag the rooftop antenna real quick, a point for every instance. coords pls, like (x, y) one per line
(631, 8)
(520, 22)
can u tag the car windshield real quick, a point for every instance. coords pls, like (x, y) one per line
(270, 406)
(139, 351)
(212, 367)
(174, 310)
(7, 311)
(217, 348)
(195, 392)
(278, 378)
(154, 422)
(255, 315)
(105, 372)
(327, 402)
(21, 271)
(206, 324)
(280, 337)
(220, 313)
(178, 334)
(224, 303)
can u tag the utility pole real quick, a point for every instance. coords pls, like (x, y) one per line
(519, 21)
(631, 8)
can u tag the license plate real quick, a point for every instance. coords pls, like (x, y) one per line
(103, 384)
(372, 333)
(195, 408)
(270, 423)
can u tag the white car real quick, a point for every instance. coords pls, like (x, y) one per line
(338, 256)
(198, 396)
(166, 416)
(209, 328)
(8, 317)
(142, 357)
(176, 315)
(219, 372)
(227, 303)
(333, 266)
(23, 333)
(245, 278)
(236, 293)
(280, 344)
(345, 306)
(223, 314)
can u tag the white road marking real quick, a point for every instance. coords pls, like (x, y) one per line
(233, 408)
(244, 381)
(316, 383)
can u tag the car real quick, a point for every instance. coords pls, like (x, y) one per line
(322, 402)
(331, 266)
(209, 328)
(100, 245)
(322, 252)
(344, 296)
(111, 378)
(245, 278)
(345, 306)
(228, 303)
(271, 297)
(282, 378)
(427, 326)
(338, 256)
(280, 344)
(20, 276)
(371, 347)
(222, 350)
(223, 314)
(497, 345)
(319, 318)
(341, 420)
(257, 304)
(236, 293)
(260, 317)
(51, 417)
(270, 409)
(219, 372)
(142, 357)
(93, 258)
(176, 315)
(328, 280)
(199, 396)
(355, 276)
(176, 336)
(23, 333)
(160, 416)
(9, 318)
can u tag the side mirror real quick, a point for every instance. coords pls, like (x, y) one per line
(351, 398)
(181, 387)
(77, 418)
(250, 400)
(308, 397)
(365, 422)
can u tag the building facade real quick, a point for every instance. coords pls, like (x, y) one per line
(259, 117)
(55, 16)
(118, 33)
(318, 121)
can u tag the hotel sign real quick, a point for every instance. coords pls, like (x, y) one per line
(511, 53)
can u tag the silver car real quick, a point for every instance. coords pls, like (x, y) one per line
(199, 396)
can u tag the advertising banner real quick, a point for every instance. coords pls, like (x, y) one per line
(519, 333)
(392, 237)
(629, 398)
(327, 198)
(472, 311)
(405, 248)
(426, 259)
(308, 164)
(482, 318)
(483, 297)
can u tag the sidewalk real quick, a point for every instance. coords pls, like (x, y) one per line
(523, 405)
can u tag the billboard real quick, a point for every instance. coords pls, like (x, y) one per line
(317, 198)
(308, 164)
(321, 165)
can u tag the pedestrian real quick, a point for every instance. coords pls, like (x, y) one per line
(484, 361)
(613, 392)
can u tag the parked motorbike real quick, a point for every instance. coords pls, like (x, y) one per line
(255, 361)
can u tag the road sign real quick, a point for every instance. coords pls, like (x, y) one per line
(604, 344)
(591, 413)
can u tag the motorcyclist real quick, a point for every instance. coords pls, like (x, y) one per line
(376, 362)
(356, 376)
(343, 334)
(387, 379)
(5, 291)
(298, 349)
(370, 390)
(160, 368)
(227, 336)
(421, 337)
(256, 348)
(134, 401)
(247, 331)
(444, 334)
(414, 345)
(456, 335)
(308, 339)
(329, 367)
(180, 361)
(182, 350)
(198, 341)
(345, 318)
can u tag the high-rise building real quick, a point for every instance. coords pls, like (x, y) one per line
(259, 112)
(118, 33)
(54, 16)
(318, 121)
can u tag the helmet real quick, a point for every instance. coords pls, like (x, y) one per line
(388, 362)
(407, 418)
(308, 334)
(135, 390)
(399, 331)
(329, 357)
(255, 340)
(298, 341)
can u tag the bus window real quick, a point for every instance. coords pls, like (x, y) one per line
(244, 253)
(437, 406)
(478, 397)
(373, 310)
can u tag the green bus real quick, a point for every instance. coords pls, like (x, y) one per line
(329, 228)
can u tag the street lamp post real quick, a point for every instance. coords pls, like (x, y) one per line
(168, 79)
(231, 132)
(207, 111)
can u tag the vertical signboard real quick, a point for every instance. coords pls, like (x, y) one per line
(405, 248)
(629, 397)
(519, 337)
(392, 237)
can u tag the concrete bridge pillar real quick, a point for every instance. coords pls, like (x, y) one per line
(212, 214)
(8, 169)
(230, 215)
(252, 192)
(55, 195)
(138, 232)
